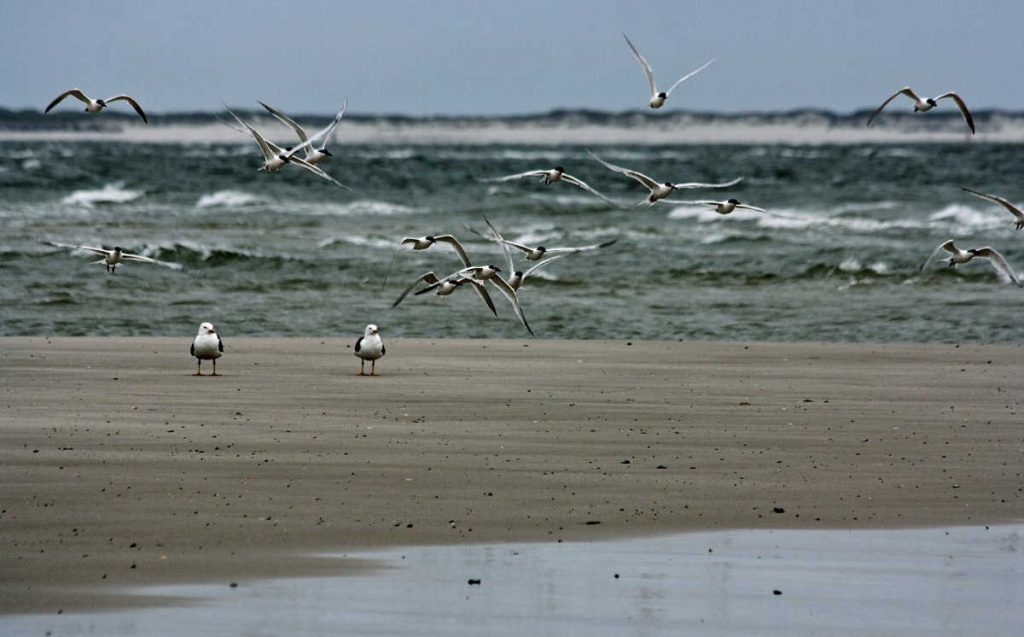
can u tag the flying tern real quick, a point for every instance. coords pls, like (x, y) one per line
(1014, 210)
(960, 257)
(923, 105)
(95, 106)
(724, 207)
(316, 151)
(660, 190)
(114, 257)
(275, 157)
(658, 97)
(550, 176)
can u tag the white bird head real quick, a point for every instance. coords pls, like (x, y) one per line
(370, 330)
(207, 328)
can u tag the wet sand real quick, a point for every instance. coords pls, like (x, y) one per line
(121, 469)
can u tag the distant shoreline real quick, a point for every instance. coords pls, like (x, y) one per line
(555, 128)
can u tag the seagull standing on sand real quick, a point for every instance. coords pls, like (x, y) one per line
(95, 106)
(1014, 210)
(960, 257)
(551, 176)
(115, 257)
(927, 104)
(369, 347)
(207, 346)
(658, 97)
(660, 191)
(316, 151)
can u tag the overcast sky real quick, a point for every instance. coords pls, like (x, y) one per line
(487, 57)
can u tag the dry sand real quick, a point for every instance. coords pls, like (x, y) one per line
(120, 468)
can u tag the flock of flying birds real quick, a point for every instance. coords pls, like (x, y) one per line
(313, 147)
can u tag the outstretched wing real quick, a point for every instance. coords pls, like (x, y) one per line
(300, 132)
(501, 241)
(648, 71)
(542, 264)
(457, 277)
(906, 90)
(632, 174)
(67, 246)
(454, 243)
(482, 292)
(743, 206)
(999, 263)
(575, 249)
(127, 256)
(529, 173)
(132, 102)
(579, 183)
(298, 161)
(324, 136)
(75, 93)
(517, 246)
(262, 143)
(1014, 210)
(694, 184)
(961, 105)
(688, 76)
(948, 246)
(512, 297)
(428, 277)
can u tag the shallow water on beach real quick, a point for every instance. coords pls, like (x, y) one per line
(957, 581)
(288, 254)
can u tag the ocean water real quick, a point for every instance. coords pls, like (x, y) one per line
(289, 254)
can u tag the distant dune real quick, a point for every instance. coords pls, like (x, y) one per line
(555, 127)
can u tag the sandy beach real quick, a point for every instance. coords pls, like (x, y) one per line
(121, 468)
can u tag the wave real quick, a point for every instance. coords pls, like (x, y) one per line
(361, 207)
(114, 193)
(193, 253)
(227, 199)
(969, 217)
(358, 240)
(852, 265)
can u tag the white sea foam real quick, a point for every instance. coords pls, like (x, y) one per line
(865, 206)
(227, 199)
(963, 216)
(360, 207)
(358, 240)
(851, 264)
(110, 194)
